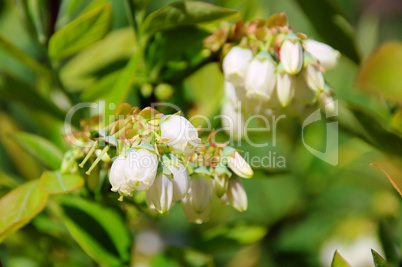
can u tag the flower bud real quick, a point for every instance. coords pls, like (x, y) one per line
(285, 88)
(220, 184)
(117, 178)
(327, 102)
(260, 77)
(314, 78)
(291, 54)
(161, 193)
(140, 167)
(237, 195)
(232, 121)
(182, 135)
(190, 213)
(326, 55)
(238, 165)
(235, 64)
(200, 192)
(180, 180)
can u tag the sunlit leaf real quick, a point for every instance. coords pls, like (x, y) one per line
(331, 23)
(186, 13)
(378, 260)
(81, 33)
(99, 230)
(55, 182)
(381, 72)
(69, 10)
(19, 206)
(338, 261)
(396, 180)
(39, 147)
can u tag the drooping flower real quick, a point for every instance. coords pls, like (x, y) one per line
(237, 163)
(199, 192)
(161, 193)
(140, 167)
(181, 134)
(235, 64)
(291, 54)
(180, 180)
(285, 88)
(117, 178)
(191, 214)
(326, 55)
(314, 78)
(221, 180)
(232, 121)
(236, 194)
(260, 77)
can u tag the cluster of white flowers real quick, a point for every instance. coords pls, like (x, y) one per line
(289, 73)
(171, 172)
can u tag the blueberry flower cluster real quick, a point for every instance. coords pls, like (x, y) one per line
(163, 156)
(267, 67)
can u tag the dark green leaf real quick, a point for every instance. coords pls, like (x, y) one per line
(338, 261)
(81, 33)
(40, 148)
(378, 260)
(381, 72)
(16, 90)
(330, 22)
(40, 17)
(55, 182)
(186, 13)
(19, 206)
(99, 230)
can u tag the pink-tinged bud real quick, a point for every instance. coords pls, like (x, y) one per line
(235, 64)
(314, 78)
(161, 193)
(285, 88)
(182, 135)
(291, 54)
(190, 213)
(200, 192)
(260, 77)
(326, 55)
(237, 195)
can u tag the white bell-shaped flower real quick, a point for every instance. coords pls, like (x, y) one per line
(327, 102)
(239, 166)
(236, 194)
(260, 78)
(199, 192)
(220, 184)
(180, 180)
(181, 134)
(285, 88)
(235, 64)
(117, 178)
(291, 54)
(232, 121)
(140, 167)
(314, 78)
(190, 213)
(231, 94)
(161, 193)
(326, 55)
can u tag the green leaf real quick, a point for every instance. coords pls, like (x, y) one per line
(338, 261)
(22, 57)
(27, 96)
(19, 206)
(186, 13)
(39, 147)
(99, 230)
(331, 23)
(378, 260)
(55, 182)
(81, 33)
(69, 10)
(381, 72)
(100, 87)
(40, 17)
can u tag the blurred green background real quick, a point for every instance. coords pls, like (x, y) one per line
(297, 216)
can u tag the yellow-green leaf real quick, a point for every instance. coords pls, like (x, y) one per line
(378, 260)
(19, 206)
(381, 72)
(81, 33)
(55, 182)
(338, 261)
